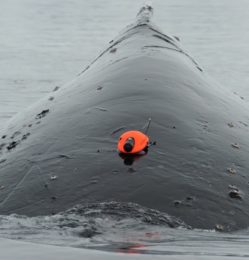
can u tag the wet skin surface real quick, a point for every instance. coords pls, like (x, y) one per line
(198, 171)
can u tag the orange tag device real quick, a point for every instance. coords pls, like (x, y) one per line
(132, 142)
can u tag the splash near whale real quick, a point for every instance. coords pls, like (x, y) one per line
(62, 151)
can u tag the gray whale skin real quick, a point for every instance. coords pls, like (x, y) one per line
(62, 151)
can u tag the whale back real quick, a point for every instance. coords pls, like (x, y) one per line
(62, 150)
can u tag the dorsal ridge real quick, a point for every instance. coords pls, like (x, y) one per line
(145, 13)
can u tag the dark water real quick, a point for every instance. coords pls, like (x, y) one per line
(45, 44)
(122, 228)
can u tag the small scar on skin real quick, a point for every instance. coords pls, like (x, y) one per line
(231, 170)
(42, 114)
(118, 130)
(235, 194)
(2, 161)
(56, 88)
(101, 109)
(12, 145)
(113, 50)
(235, 145)
(24, 137)
(54, 177)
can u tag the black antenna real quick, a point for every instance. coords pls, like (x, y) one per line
(148, 126)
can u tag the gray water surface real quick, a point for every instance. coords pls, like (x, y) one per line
(119, 229)
(46, 43)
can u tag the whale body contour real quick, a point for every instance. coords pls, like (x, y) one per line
(62, 151)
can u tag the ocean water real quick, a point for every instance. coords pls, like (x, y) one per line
(44, 44)
(110, 230)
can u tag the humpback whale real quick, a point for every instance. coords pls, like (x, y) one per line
(62, 151)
